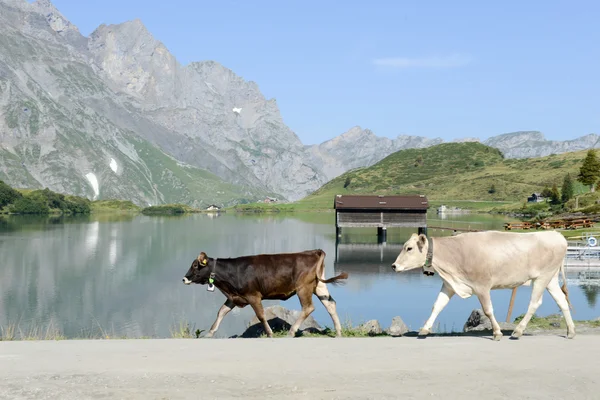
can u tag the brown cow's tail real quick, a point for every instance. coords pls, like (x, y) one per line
(336, 279)
(321, 271)
(564, 286)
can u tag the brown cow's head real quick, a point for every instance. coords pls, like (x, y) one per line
(199, 271)
(413, 254)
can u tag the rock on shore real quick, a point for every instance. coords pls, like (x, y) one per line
(478, 321)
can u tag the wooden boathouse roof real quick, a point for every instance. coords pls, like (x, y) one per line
(381, 202)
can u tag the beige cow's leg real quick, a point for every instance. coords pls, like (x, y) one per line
(537, 291)
(561, 300)
(305, 297)
(260, 314)
(329, 303)
(442, 300)
(486, 303)
(223, 311)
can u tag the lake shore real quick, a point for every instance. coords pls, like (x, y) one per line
(346, 368)
(282, 318)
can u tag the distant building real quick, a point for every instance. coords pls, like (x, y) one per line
(535, 198)
(212, 207)
(270, 200)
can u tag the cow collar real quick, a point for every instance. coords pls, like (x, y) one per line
(211, 277)
(428, 267)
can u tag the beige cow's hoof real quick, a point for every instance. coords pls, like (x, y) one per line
(424, 332)
(516, 334)
(497, 337)
(570, 335)
(208, 335)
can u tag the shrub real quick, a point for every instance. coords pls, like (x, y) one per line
(77, 205)
(164, 209)
(347, 182)
(29, 205)
(8, 195)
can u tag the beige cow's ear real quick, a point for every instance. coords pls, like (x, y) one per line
(421, 241)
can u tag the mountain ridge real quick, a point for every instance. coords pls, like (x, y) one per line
(72, 106)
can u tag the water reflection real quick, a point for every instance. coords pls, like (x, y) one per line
(122, 274)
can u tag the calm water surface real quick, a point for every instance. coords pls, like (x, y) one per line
(121, 276)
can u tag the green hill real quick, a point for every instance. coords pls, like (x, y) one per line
(452, 171)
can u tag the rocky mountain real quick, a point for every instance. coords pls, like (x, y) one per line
(534, 144)
(360, 148)
(115, 115)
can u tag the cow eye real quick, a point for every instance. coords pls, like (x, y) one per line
(409, 249)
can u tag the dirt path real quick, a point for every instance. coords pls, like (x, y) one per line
(535, 367)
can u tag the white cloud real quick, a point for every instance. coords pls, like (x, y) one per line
(451, 61)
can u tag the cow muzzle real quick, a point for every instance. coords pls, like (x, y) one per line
(396, 268)
(186, 281)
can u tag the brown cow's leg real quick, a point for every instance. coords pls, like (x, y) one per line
(225, 308)
(323, 294)
(486, 303)
(305, 297)
(260, 314)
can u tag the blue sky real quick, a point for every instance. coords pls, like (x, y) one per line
(432, 68)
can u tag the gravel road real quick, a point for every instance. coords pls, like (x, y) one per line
(534, 367)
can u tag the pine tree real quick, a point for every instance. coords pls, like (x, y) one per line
(555, 198)
(567, 191)
(590, 170)
(546, 193)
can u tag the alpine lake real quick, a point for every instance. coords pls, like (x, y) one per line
(111, 275)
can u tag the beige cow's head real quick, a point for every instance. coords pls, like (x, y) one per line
(413, 254)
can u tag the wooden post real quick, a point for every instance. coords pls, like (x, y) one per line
(510, 305)
(381, 234)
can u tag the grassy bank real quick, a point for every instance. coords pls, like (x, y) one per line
(170, 209)
(110, 206)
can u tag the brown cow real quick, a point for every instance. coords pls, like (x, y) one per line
(250, 279)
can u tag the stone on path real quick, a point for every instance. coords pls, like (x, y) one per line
(397, 328)
(371, 327)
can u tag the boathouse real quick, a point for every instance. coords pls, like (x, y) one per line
(381, 212)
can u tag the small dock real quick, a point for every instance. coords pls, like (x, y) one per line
(546, 225)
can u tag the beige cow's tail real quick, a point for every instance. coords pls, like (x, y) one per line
(321, 272)
(564, 285)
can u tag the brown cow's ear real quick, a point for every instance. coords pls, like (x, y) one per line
(202, 258)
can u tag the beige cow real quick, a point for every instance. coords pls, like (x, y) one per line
(477, 262)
